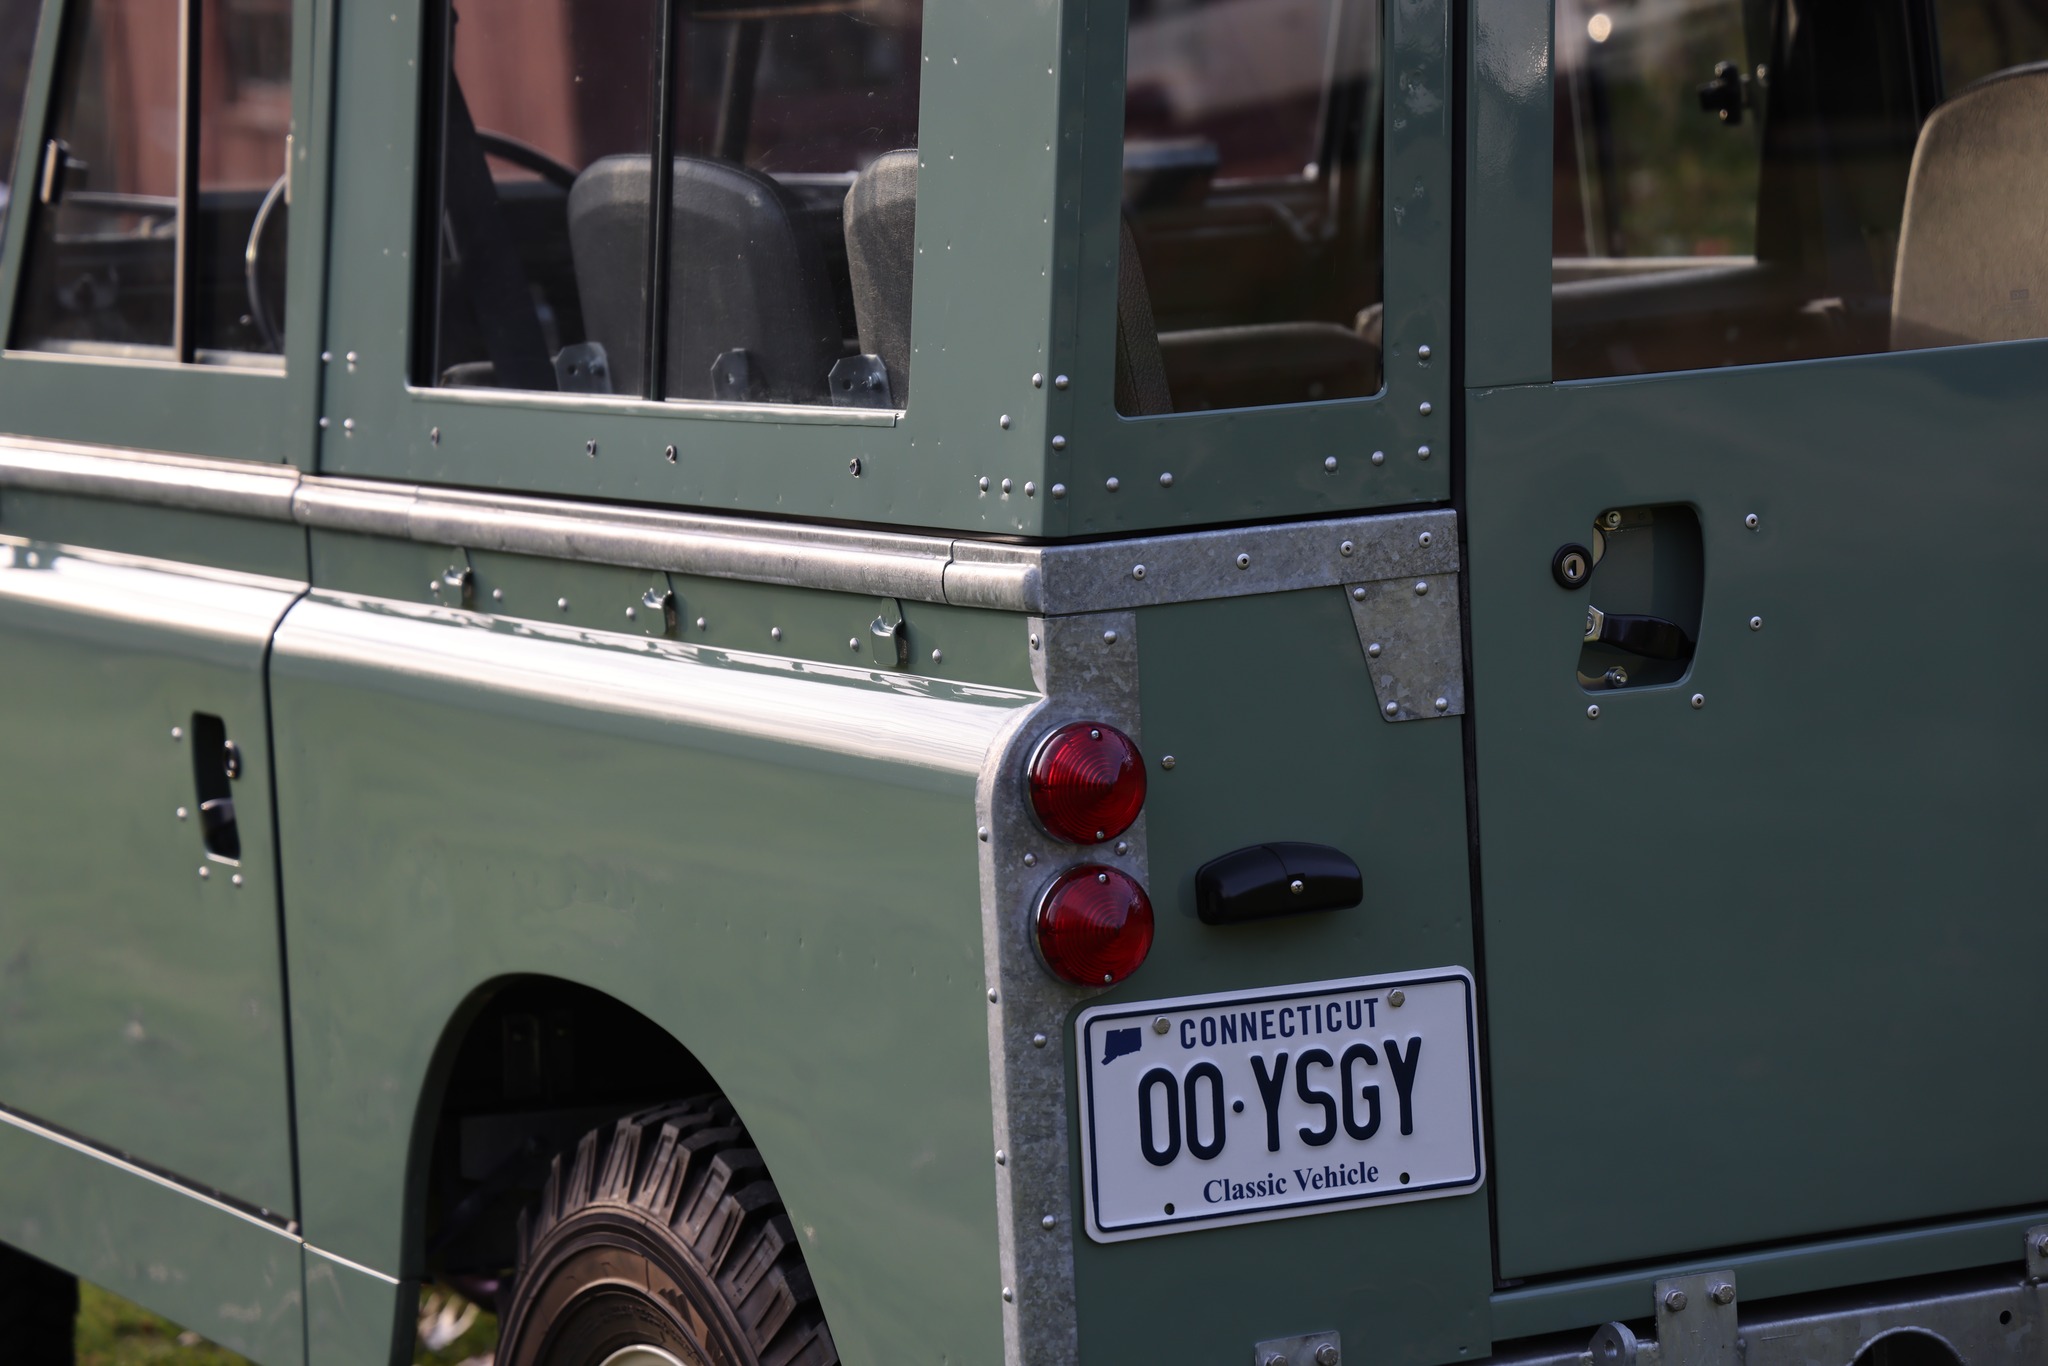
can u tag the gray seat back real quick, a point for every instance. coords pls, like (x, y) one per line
(746, 274)
(881, 251)
(1973, 243)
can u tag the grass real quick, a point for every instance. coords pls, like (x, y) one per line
(113, 1332)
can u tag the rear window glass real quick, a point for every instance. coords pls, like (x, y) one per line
(1250, 266)
(780, 136)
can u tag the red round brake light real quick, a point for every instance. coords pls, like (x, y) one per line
(1094, 925)
(1087, 783)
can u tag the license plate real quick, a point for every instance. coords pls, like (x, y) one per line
(1210, 1110)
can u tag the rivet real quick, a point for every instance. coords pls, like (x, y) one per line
(433, 585)
(1123, 847)
(1102, 878)
(1166, 480)
(1358, 593)
(1006, 486)
(1392, 709)
(1421, 587)
(327, 358)
(938, 656)
(1346, 548)
(590, 448)
(1750, 521)
(433, 436)
(236, 879)
(1059, 381)
(1160, 1024)
(205, 872)
(1031, 860)
(1443, 704)
(1244, 561)
(1111, 484)
(1372, 651)
(1397, 998)
(1039, 1041)
(1008, 1298)
(497, 595)
(1721, 1293)
(325, 422)
(668, 453)
(1422, 452)
(1167, 761)
(1423, 352)
(1059, 490)
(1109, 637)
(700, 623)
(1699, 699)
(992, 1001)
(1424, 540)
(1674, 1300)
(1593, 712)
(1425, 408)
(1059, 443)
(1004, 422)
(853, 644)
(774, 633)
(631, 615)
(183, 814)
(1329, 464)
(1297, 886)
(1137, 571)
(177, 732)
(853, 467)
(1030, 489)
(1048, 1222)
(351, 358)
(562, 604)
(982, 483)
(1379, 457)
(1756, 623)
(348, 424)
(982, 834)
(1034, 640)
(1037, 380)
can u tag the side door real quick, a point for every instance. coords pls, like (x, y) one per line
(1752, 465)
(150, 249)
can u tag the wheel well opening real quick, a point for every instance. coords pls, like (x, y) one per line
(1908, 1347)
(528, 1066)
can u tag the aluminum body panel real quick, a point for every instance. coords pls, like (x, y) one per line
(1805, 891)
(144, 1002)
(1267, 708)
(773, 859)
(206, 1265)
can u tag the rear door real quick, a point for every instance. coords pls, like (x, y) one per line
(1751, 567)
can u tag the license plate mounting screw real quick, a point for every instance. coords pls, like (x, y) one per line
(1161, 1025)
(1397, 999)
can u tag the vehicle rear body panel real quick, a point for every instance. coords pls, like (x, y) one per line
(1267, 708)
(709, 836)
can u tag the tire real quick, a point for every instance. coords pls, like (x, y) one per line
(666, 1233)
(38, 1311)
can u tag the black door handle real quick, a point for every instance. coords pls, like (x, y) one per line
(216, 763)
(1650, 637)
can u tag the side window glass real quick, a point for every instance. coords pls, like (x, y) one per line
(159, 234)
(17, 45)
(1251, 258)
(780, 137)
(1740, 182)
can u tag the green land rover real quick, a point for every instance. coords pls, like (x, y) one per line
(1052, 682)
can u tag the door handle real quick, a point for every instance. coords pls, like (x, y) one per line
(1650, 637)
(216, 763)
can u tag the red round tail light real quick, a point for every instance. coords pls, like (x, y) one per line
(1094, 925)
(1087, 783)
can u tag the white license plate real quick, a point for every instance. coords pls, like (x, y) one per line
(1211, 1110)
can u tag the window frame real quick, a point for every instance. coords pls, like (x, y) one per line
(223, 411)
(1244, 463)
